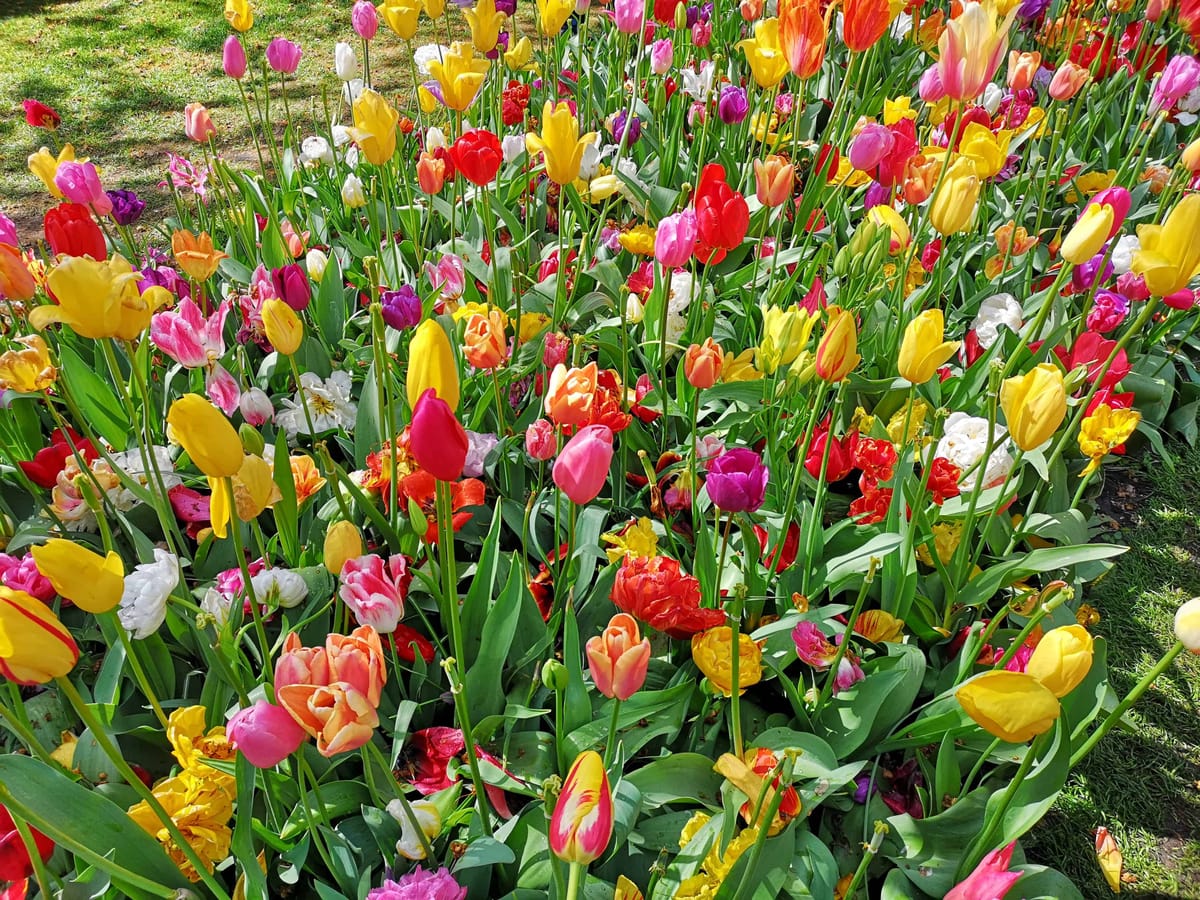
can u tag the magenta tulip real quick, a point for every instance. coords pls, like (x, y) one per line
(675, 239)
(284, 56)
(265, 734)
(437, 439)
(1118, 199)
(233, 58)
(991, 877)
(582, 468)
(364, 19)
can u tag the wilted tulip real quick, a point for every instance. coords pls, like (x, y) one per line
(1062, 659)
(1034, 405)
(582, 823)
(582, 467)
(265, 734)
(1012, 706)
(92, 582)
(618, 658)
(923, 350)
(437, 439)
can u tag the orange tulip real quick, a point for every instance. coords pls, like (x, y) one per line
(702, 364)
(864, 22)
(802, 34)
(484, 344)
(1022, 67)
(1067, 81)
(571, 394)
(618, 658)
(15, 281)
(431, 173)
(196, 254)
(773, 180)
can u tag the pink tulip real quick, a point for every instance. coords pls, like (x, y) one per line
(284, 56)
(930, 87)
(185, 335)
(675, 239)
(198, 123)
(364, 19)
(582, 468)
(375, 590)
(222, 389)
(265, 734)
(1116, 198)
(437, 439)
(869, 146)
(662, 54)
(256, 407)
(233, 57)
(629, 16)
(618, 658)
(991, 878)
(539, 440)
(1178, 79)
(449, 276)
(8, 231)
(582, 823)
(80, 183)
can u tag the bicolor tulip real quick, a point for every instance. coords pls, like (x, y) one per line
(972, 47)
(571, 394)
(35, 647)
(1022, 68)
(284, 329)
(702, 364)
(484, 342)
(953, 208)
(374, 127)
(239, 15)
(401, 16)
(1067, 81)
(802, 35)
(197, 122)
(343, 542)
(1190, 157)
(774, 178)
(885, 217)
(765, 54)
(1062, 659)
(99, 299)
(924, 348)
(582, 823)
(265, 734)
(560, 143)
(1012, 706)
(375, 589)
(618, 658)
(1170, 254)
(92, 582)
(437, 439)
(1034, 405)
(206, 435)
(459, 73)
(837, 352)
(431, 364)
(1187, 625)
(582, 467)
(485, 23)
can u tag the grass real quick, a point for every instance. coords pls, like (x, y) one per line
(1143, 784)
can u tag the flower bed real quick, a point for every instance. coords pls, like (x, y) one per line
(650, 455)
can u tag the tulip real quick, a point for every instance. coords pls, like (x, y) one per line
(98, 299)
(1068, 79)
(802, 34)
(773, 180)
(1187, 625)
(431, 173)
(254, 489)
(206, 436)
(1170, 254)
(553, 15)
(265, 734)
(71, 231)
(702, 364)
(1118, 200)
(953, 208)
(991, 878)
(737, 480)
(196, 254)
(1086, 238)
(1022, 67)
(988, 151)
(256, 407)
(283, 56)
(560, 143)
(571, 394)
(431, 364)
(662, 54)
(239, 14)
(629, 16)
(1012, 706)
(539, 440)
(39, 115)
(16, 282)
(1034, 405)
(971, 48)
(459, 73)
(1179, 78)
(15, 862)
(582, 467)
(401, 308)
(233, 58)
(35, 647)
(765, 54)
(337, 714)
(80, 183)
(618, 658)
(477, 155)
(343, 542)
(518, 56)
(712, 651)
(401, 16)
(837, 353)
(92, 582)
(437, 439)
(733, 105)
(675, 239)
(1062, 659)
(864, 23)
(352, 192)
(785, 335)
(374, 127)
(1190, 158)
(375, 591)
(886, 217)
(45, 165)
(484, 344)
(582, 823)
(924, 348)
(485, 23)
(27, 371)
(870, 146)
(364, 19)
(198, 123)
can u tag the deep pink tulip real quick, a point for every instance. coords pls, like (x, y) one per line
(80, 183)
(869, 146)
(990, 879)
(265, 734)
(582, 468)
(375, 590)
(284, 56)
(1118, 199)
(364, 19)
(233, 57)
(675, 239)
(1179, 78)
(437, 439)
(185, 335)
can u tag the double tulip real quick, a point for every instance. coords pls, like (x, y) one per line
(582, 823)
(737, 480)
(924, 348)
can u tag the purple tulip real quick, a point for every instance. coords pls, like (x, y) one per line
(1085, 275)
(166, 277)
(233, 58)
(291, 286)
(364, 19)
(620, 132)
(265, 734)
(401, 308)
(1031, 9)
(127, 207)
(508, 7)
(733, 105)
(737, 480)
(284, 56)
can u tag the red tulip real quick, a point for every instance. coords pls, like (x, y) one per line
(477, 155)
(722, 215)
(15, 864)
(70, 229)
(437, 439)
(582, 468)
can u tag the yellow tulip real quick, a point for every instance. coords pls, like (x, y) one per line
(785, 335)
(1062, 659)
(35, 647)
(99, 299)
(712, 651)
(45, 165)
(27, 371)
(435, 9)
(401, 16)
(1034, 405)
(342, 543)
(924, 348)
(485, 23)
(239, 14)
(460, 73)
(953, 209)
(886, 217)
(195, 254)
(837, 353)
(519, 54)
(1170, 253)
(989, 151)
(254, 489)
(1012, 706)
(553, 15)
(764, 53)
(206, 436)
(284, 329)
(1088, 235)
(92, 582)
(374, 127)
(431, 364)
(1105, 429)
(559, 143)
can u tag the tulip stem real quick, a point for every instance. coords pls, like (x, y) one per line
(1123, 707)
(239, 550)
(114, 754)
(573, 879)
(975, 769)
(308, 419)
(613, 724)
(139, 673)
(982, 844)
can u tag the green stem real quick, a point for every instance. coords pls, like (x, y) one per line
(983, 843)
(573, 879)
(610, 744)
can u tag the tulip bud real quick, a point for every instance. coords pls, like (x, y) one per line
(431, 364)
(555, 676)
(352, 192)
(1187, 625)
(1022, 67)
(265, 734)
(252, 441)
(837, 353)
(233, 57)
(953, 208)
(1088, 235)
(923, 349)
(284, 329)
(36, 646)
(316, 262)
(1034, 405)
(206, 436)
(702, 364)
(1062, 659)
(342, 543)
(431, 173)
(618, 658)
(256, 407)
(582, 468)
(92, 582)
(1012, 706)
(582, 823)
(1191, 157)
(437, 439)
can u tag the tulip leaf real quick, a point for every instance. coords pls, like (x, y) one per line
(338, 798)
(984, 586)
(485, 851)
(482, 682)
(1039, 789)
(1042, 883)
(95, 398)
(934, 846)
(676, 778)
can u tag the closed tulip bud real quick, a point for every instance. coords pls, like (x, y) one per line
(1068, 79)
(239, 15)
(345, 62)
(284, 329)
(364, 19)
(539, 440)
(582, 823)
(353, 194)
(343, 542)
(1062, 659)
(252, 441)
(953, 208)
(1088, 235)
(662, 54)
(582, 467)
(1022, 67)
(437, 439)
(924, 349)
(618, 658)
(1190, 158)
(233, 57)
(431, 364)
(35, 647)
(206, 436)
(773, 180)
(431, 173)
(1187, 625)
(197, 122)
(256, 407)
(675, 239)
(265, 734)
(92, 582)
(702, 364)
(1012, 706)
(16, 281)
(837, 353)
(1034, 405)
(316, 261)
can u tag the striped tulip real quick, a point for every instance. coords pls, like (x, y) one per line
(582, 824)
(35, 647)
